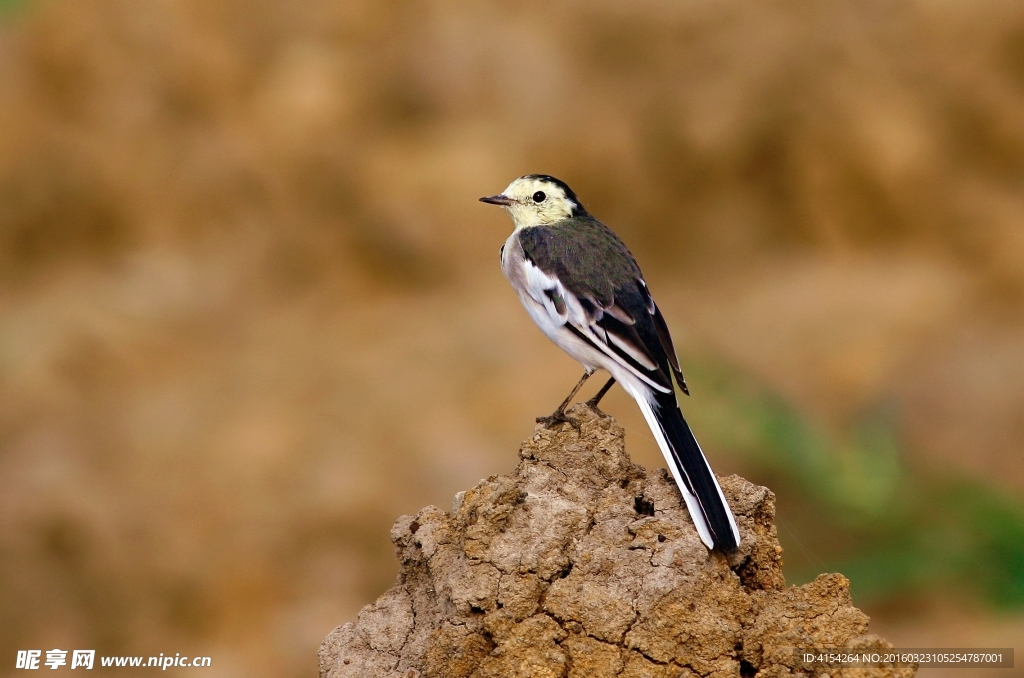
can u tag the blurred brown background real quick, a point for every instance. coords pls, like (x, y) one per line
(251, 311)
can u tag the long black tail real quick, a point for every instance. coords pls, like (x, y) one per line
(695, 474)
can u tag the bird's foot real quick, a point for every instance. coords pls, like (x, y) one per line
(592, 404)
(559, 417)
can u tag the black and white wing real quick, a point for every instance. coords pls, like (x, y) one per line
(589, 283)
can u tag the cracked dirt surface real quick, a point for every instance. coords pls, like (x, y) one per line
(581, 563)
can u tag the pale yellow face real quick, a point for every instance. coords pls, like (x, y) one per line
(535, 201)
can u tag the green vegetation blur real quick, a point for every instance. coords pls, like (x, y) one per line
(850, 504)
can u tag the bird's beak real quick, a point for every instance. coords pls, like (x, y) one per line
(502, 200)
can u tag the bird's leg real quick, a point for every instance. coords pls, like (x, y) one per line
(559, 415)
(592, 403)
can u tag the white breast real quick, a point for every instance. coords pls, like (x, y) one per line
(532, 285)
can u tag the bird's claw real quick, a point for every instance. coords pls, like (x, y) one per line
(592, 404)
(559, 417)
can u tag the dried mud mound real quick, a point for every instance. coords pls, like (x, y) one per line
(581, 563)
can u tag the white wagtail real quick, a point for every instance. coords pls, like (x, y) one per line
(583, 288)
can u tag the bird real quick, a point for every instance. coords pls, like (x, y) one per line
(583, 288)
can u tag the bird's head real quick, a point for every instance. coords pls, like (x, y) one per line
(537, 200)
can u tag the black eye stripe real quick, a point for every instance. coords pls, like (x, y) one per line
(539, 196)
